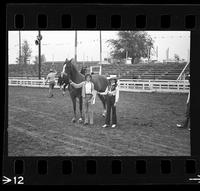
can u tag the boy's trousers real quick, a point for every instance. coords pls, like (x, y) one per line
(88, 109)
(110, 100)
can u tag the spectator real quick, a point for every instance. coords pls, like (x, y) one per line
(186, 123)
(51, 79)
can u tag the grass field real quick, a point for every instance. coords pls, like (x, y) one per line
(41, 126)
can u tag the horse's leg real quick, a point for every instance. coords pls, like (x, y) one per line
(64, 89)
(80, 108)
(74, 107)
(103, 100)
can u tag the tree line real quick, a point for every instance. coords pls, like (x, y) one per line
(26, 51)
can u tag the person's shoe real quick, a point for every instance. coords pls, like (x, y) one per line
(113, 125)
(179, 126)
(105, 125)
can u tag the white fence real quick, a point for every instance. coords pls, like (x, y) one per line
(130, 85)
(180, 86)
(29, 83)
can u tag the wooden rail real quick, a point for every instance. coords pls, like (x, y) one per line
(130, 85)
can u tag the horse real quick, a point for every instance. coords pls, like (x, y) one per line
(61, 81)
(71, 73)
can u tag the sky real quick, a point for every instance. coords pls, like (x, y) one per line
(59, 45)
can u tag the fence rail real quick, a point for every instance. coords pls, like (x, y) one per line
(29, 83)
(130, 85)
(179, 86)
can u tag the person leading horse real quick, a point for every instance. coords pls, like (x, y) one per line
(70, 72)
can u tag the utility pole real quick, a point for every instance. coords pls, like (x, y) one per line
(188, 56)
(20, 52)
(38, 42)
(148, 53)
(126, 52)
(52, 60)
(100, 47)
(83, 59)
(39, 54)
(157, 53)
(126, 56)
(75, 57)
(167, 54)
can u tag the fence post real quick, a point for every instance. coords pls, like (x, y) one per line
(100, 70)
(168, 85)
(150, 85)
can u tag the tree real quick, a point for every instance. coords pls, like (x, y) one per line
(176, 57)
(26, 53)
(136, 43)
(43, 59)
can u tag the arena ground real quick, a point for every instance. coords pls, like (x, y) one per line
(41, 126)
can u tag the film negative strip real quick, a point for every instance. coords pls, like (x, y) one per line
(136, 60)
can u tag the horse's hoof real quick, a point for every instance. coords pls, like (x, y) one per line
(80, 120)
(73, 120)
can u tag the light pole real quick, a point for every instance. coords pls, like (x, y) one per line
(167, 54)
(100, 47)
(38, 42)
(20, 52)
(157, 53)
(148, 53)
(126, 56)
(126, 52)
(75, 57)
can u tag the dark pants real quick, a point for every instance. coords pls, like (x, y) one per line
(51, 86)
(110, 100)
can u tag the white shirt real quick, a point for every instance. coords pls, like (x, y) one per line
(51, 76)
(88, 88)
(115, 93)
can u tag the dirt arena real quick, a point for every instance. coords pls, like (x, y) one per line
(41, 126)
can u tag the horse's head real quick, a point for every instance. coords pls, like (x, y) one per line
(68, 68)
